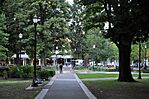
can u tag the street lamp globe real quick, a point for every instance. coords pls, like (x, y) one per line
(35, 19)
(145, 46)
(94, 46)
(20, 35)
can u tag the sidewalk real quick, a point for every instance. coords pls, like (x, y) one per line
(65, 86)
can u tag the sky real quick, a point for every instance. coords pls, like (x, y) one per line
(70, 1)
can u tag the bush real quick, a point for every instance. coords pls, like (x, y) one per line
(45, 74)
(102, 68)
(5, 74)
(3, 69)
(80, 67)
(26, 71)
(52, 68)
(21, 72)
(13, 72)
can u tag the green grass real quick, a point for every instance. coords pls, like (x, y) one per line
(104, 75)
(113, 89)
(101, 75)
(15, 89)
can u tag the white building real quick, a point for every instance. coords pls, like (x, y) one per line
(67, 59)
(24, 57)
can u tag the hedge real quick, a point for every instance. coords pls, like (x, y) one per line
(45, 74)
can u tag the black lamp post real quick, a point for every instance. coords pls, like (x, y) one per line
(35, 20)
(145, 58)
(94, 46)
(20, 36)
(139, 77)
(56, 52)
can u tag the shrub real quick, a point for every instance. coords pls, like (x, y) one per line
(102, 68)
(21, 72)
(1, 74)
(52, 68)
(80, 67)
(13, 72)
(26, 71)
(45, 74)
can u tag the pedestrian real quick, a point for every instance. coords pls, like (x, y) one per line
(61, 68)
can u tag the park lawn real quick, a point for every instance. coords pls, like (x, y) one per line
(15, 89)
(98, 75)
(104, 75)
(112, 89)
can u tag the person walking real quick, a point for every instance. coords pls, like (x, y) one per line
(61, 65)
(61, 68)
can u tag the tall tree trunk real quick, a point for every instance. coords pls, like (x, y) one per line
(124, 60)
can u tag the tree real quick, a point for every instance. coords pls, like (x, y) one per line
(52, 29)
(3, 38)
(126, 21)
(77, 34)
(134, 52)
(1, 5)
(124, 33)
(103, 50)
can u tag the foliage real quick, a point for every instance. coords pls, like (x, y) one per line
(45, 74)
(50, 68)
(83, 36)
(3, 38)
(102, 68)
(27, 72)
(21, 72)
(103, 50)
(135, 51)
(77, 33)
(52, 30)
(126, 25)
(80, 68)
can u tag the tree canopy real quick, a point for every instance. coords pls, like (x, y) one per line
(52, 29)
(3, 37)
(126, 20)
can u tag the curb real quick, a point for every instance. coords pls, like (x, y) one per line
(44, 91)
(85, 89)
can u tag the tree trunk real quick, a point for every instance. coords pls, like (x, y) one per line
(86, 59)
(124, 61)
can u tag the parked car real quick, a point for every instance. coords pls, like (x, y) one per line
(110, 65)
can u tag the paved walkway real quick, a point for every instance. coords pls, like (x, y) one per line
(65, 86)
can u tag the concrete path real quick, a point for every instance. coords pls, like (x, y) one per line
(65, 86)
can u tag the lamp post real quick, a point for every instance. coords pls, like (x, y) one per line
(145, 58)
(139, 77)
(20, 36)
(56, 52)
(94, 46)
(35, 20)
